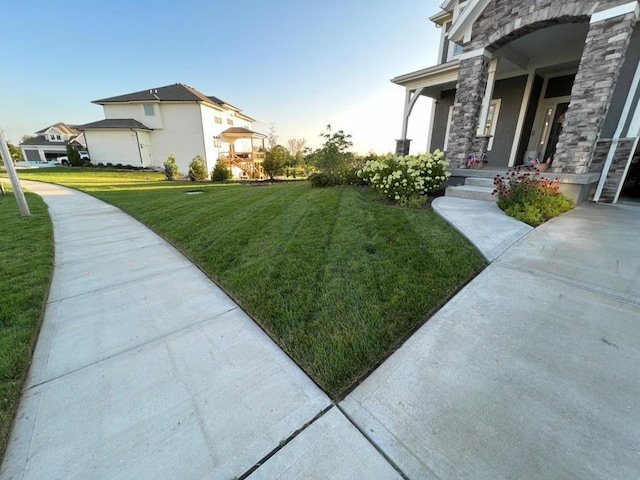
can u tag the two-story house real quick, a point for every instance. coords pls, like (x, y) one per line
(144, 128)
(536, 79)
(51, 143)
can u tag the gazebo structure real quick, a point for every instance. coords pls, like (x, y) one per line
(245, 153)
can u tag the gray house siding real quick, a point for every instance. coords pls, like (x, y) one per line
(439, 127)
(510, 91)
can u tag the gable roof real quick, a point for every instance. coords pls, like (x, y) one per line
(114, 123)
(63, 128)
(177, 92)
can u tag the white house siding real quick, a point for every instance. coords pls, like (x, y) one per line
(181, 136)
(136, 111)
(211, 129)
(113, 146)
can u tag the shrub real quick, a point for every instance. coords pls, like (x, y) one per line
(324, 179)
(220, 172)
(530, 198)
(197, 169)
(406, 180)
(171, 168)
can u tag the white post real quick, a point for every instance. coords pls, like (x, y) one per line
(486, 102)
(15, 183)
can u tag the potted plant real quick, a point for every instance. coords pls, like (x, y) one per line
(476, 162)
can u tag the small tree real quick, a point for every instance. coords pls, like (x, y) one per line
(171, 168)
(197, 169)
(334, 156)
(220, 172)
(275, 160)
(74, 157)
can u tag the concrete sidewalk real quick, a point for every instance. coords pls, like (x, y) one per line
(531, 371)
(145, 369)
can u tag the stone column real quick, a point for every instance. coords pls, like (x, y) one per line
(402, 147)
(472, 84)
(602, 58)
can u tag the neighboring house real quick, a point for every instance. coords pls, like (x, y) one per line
(541, 79)
(144, 128)
(51, 143)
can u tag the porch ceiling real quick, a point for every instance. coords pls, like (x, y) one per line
(552, 49)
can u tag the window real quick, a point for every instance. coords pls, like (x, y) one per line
(149, 111)
(219, 120)
(229, 121)
(52, 137)
(58, 137)
(492, 121)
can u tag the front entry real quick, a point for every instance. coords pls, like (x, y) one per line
(549, 121)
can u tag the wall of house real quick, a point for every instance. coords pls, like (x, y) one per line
(136, 111)
(113, 146)
(181, 136)
(439, 127)
(510, 91)
(211, 129)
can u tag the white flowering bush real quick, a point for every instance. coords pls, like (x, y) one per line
(407, 180)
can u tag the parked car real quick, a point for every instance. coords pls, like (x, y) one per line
(84, 155)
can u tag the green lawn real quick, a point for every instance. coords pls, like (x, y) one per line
(337, 277)
(26, 260)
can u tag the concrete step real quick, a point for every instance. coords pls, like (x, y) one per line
(471, 192)
(479, 182)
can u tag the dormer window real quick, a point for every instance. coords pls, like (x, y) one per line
(149, 111)
(58, 137)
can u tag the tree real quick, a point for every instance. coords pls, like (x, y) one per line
(15, 152)
(272, 138)
(334, 156)
(171, 168)
(296, 149)
(275, 160)
(197, 169)
(220, 172)
(74, 157)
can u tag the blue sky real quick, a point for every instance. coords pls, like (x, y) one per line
(299, 65)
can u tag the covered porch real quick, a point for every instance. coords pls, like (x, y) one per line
(536, 95)
(243, 151)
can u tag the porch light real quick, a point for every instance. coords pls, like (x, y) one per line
(217, 141)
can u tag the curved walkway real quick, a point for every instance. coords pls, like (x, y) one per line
(145, 369)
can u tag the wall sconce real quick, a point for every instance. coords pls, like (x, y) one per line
(217, 141)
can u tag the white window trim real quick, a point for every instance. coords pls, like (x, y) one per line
(496, 102)
(448, 130)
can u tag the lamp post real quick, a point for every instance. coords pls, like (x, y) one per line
(13, 176)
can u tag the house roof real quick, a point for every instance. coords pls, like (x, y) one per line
(63, 128)
(40, 140)
(241, 131)
(177, 92)
(114, 123)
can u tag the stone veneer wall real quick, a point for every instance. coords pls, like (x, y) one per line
(602, 59)
(600, 156)
(472, 83)
(617, 169)
(503, 21)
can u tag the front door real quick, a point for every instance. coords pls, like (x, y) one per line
(549, 122)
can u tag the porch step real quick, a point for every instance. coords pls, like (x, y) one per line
(479, 182)
(471, 192)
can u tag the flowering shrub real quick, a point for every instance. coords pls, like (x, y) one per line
(529, 197)
(406, 180)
